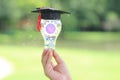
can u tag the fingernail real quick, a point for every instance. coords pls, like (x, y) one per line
(46, 48)
(49, 49)
(50, 54)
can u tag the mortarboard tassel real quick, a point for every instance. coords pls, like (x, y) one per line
(39, 23)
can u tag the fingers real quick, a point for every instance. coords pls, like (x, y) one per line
(45, 57)
(57, 58)
(52, 65)
(44, 52)
(49, 58)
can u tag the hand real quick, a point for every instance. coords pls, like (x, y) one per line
(54, 72)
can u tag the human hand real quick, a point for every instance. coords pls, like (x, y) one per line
(54, 72)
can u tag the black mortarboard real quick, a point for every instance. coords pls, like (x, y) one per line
(50, 13)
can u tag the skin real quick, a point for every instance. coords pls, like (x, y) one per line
(52, 71)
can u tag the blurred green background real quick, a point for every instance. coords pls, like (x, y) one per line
(89, 42)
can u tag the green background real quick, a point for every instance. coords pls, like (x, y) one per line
(89, 42)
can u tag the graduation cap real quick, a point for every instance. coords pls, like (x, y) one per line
(48, 14)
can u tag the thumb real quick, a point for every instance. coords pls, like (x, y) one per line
(57, 57)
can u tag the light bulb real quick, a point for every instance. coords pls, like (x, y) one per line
(50, 31)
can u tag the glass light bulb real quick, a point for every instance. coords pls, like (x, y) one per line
(50, 31)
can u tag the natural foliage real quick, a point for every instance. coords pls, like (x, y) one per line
(86, 15)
